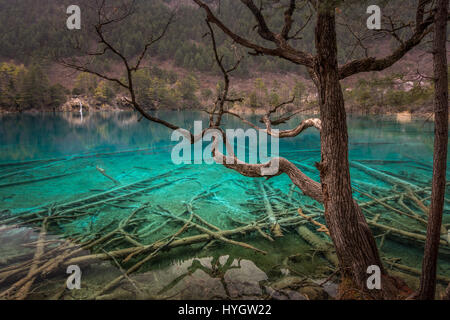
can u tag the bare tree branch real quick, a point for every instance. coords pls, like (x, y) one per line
(153, 41)
(288, 20)
(309, 187)
(82, 68)
(306, 184)
(422, 28)
(283, 49)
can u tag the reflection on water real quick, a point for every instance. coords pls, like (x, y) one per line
(54, 200)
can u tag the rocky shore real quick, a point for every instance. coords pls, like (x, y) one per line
(120, 103)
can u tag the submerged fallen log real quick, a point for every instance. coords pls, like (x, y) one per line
(15, 164)
(383, 176)
(405, 234)
(390, 197)
(177, 243)
(417, 201)
(136, 266)
(318, 244)
(17, 183)
(79, 156)
(26, 171)
(384, 204)
(322, 227)
(40, 247)
(97, 199)
(103, 172)
(275, 228)
(214, 234)
(99, 241)
(115, 198)
(443, 279)
(67, 250)
(384, 162)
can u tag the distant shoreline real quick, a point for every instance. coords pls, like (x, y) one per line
(401, 116)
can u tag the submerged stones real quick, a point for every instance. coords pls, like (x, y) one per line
(297, 288)
(211, 278)
(244, 280)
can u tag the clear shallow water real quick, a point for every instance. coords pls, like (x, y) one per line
(49, 160)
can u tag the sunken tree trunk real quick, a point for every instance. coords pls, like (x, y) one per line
(428, 278)
(355, 245)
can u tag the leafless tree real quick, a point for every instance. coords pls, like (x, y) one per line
(353, 240)
(428, 278)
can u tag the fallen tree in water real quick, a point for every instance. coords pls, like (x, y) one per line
(131, 233)
(77, 250)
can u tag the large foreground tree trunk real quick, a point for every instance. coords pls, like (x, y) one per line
(355, 245)
(428, 278)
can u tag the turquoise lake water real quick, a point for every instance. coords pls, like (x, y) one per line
(48, 161)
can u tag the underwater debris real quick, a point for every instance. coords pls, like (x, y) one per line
(320, 245)
(103, 172)
(275, 228)
(131, 242)
(390, 179)
(12, 184)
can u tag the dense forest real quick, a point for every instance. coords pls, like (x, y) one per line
(24, 88)
(44, 36)
(42, 31)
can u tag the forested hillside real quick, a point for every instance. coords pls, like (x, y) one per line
(36, 29)
(33, 33)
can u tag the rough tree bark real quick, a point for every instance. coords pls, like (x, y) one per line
(354, 242)
(351, 235)
(428, 278)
